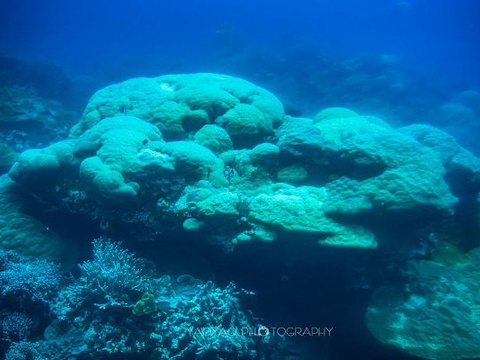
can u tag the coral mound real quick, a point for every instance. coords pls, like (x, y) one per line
(438, 318)
(216, 155)
(180, 105)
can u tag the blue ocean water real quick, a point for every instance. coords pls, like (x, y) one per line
(437, 36)
(308, 188)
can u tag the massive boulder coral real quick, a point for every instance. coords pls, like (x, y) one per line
(368, 167)
(7, 157)
(438, 316)
(181, 104)
(216, 155)
(22, 232)
(300, 211)
(107, 158)
(462, 167)
(119, 160)
(279, 210)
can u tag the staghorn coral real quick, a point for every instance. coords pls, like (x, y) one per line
(114, 278)
(98, 315)
(16, 326)
(31, 279)
(27, 289)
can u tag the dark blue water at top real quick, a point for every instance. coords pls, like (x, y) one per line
(439, 37)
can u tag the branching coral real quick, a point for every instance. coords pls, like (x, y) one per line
(117, 308)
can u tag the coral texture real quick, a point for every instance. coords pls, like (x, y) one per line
(216, 155)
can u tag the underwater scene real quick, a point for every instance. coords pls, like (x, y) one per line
(240, 180)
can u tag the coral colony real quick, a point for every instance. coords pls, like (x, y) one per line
(214, 157)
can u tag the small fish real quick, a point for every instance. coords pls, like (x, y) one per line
(225, 29)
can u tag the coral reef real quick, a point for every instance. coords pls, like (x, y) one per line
(7, 157)
(460, 116)
(182, 104)
(216, 155)
(437, 315)
(462, 168)
(99, 315)
(21, 232)
(34, 280)
(28, 120)
(215, 158)
(28, 288)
